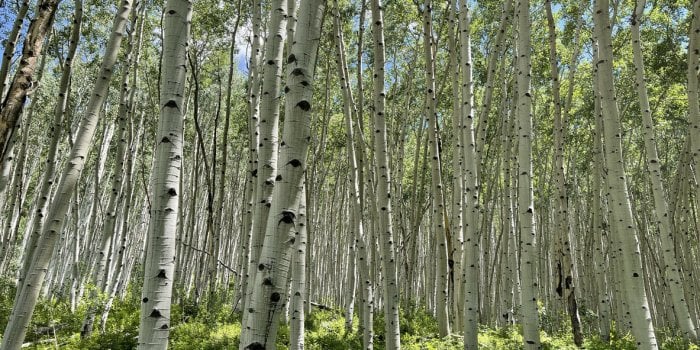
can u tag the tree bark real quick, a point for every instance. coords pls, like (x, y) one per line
(165, 187)
(526, 207)
(624, 225)
(23, 81)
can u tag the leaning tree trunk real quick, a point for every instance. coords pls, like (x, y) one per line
(106, 238)
(24, 305)
(270, 284)
(526, 207)
(23, 82)
(670, 265)
(9, 49)
(623, 225)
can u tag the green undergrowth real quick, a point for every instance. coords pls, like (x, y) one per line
(193, 327)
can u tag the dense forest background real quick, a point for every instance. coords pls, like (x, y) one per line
(337, 174)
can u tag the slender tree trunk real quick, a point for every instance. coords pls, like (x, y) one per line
(598, 221)
(299, 296)
(253, 100)
(9, 49)
(470, 196)
(436, 176)
(624, 225)
(670, 268)
(24, 305)
(566, 284)
(385, 225)
(526, 207)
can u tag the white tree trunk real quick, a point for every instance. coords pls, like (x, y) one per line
(165, 189)
(299, 297)
(670, 267)
(25, 303)
(526, 207)
(470, 196)
(268, 145)
(270, 284)
(623, 226)
(438, 214)
(385, 226)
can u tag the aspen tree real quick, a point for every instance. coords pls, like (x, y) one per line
(566, 284)
(436, 175)
(299, 296)
(670, 268)
(268, 144)
(526, 208)
(221, 186)
(470, 216)
(159, 266)
(27, 298)
(384, 214)
(623, 226)
(355, 227)
(253, 100)
(270, 284)
(9, 47)
(24, 80)
(116, 186)
(356, 223)
(598, 222)
(693, 89)
(457, 230)
(491, 72)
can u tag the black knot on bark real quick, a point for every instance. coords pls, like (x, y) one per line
(304, 105)
(278, 178)
(287, 217)
(172, 192)
(171, 104)
(171, 12)
(267, 282)
(275, 297)
(165, 326)
(297, 72)
(291, 58)
(155, 314)
(294, 162)
(161, 273)
(165, 140)
(145, 300)
(255, 346)
(261, 267)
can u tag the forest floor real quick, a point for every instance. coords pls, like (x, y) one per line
(54, 326)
